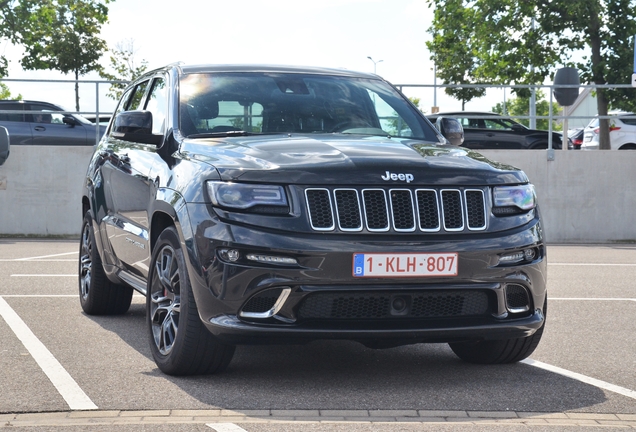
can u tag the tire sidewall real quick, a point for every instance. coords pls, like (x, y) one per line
(170, 361)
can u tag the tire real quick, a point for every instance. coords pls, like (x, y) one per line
(499, 351)
(180, 343)
(540, 146)
(98, 295)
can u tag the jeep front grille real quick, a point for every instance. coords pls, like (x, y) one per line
(397, 210)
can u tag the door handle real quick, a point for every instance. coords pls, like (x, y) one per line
(40, 128)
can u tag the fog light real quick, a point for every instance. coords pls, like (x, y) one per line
(230, 255)
(270, 259)
(529, 254)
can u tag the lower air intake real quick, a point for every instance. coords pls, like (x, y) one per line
(383, 305)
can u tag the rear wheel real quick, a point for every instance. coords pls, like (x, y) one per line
(499, 351)
(180, 343)
(98, 295)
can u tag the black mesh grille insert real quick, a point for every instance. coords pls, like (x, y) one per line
(428, 209)
(375, 208)
(361, 306)
(402, 209)
(262, 302)
(348, 208)
(475, 209)
(319, 208)
(398, 210)
(452, 206)
(517, 297)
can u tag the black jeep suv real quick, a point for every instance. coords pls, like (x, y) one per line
(261, 204)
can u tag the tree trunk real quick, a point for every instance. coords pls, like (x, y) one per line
(599, 78)
(77, 106)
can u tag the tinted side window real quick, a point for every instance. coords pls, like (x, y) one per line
(12, 107)
(47, 115)
(157, 104)
(137, 96)
(629, 121)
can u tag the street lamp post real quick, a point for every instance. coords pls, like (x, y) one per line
(375, 63)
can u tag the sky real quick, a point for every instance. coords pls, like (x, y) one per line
(327, 33)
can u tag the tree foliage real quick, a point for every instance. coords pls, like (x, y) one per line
(525, 41)
(5, 93)
(519, 107)
(452, 50)
(125, 67)
(60, 35)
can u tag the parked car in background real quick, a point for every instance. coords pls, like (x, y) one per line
(486, 130)
(255, 204)
(104, 119)
(576, 137)
(622, 132)
(42, 123)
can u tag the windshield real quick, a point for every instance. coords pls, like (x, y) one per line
(224, 103)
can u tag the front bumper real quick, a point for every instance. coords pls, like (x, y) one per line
(323, 300)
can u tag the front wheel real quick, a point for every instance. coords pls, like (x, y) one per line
(180, 343)
(98, 295)
(499, 351)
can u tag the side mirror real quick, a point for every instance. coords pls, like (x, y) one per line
(451, 129)
(135, 126)
(69, 120)
(518, 127)
(4, 145)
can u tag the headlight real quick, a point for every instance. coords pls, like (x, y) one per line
(244, 196)
(513, 199)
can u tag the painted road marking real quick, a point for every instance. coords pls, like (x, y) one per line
(60, 378)
(226, 427)
(584, 379)
(592, 299)
(46, 256)
(43, 275)
(592, 264)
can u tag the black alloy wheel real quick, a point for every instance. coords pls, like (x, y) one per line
(180, 343)
(98, 295)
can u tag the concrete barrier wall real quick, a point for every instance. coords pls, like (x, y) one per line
(584, 196)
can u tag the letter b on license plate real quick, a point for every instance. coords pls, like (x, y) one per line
(404, 264)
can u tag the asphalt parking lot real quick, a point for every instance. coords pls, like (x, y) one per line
(60, 368)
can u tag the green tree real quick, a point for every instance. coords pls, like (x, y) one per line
(62, 35)
(525, 41)
(452, 49)
(5, 93)
(519, 107)
(125, 67)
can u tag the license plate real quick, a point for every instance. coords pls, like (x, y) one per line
(404, 264)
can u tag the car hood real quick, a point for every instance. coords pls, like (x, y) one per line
(346, 159)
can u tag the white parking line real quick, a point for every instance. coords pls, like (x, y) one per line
(37, 260)
(584, 379)
(44, 275)
(46, 256)
(592, 264)
(63, 382)
(592, 299)
(226, 427)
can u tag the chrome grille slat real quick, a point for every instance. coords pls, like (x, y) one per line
(400, 210)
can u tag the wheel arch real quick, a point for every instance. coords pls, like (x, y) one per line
(628, 146)
(169, 209)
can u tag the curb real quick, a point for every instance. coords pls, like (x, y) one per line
(501, 418)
